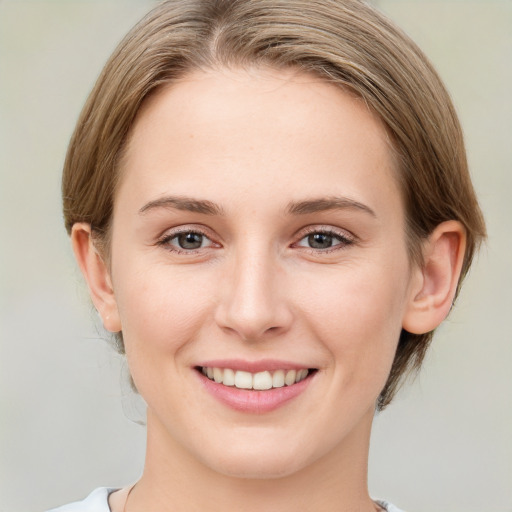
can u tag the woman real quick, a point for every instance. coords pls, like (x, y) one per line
(271, 207)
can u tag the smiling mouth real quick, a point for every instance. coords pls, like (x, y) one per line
(259, 381)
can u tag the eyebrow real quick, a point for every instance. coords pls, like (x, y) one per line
(295, 208)
(327, 203)
(183, 203)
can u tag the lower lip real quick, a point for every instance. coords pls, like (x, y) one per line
(254, 401)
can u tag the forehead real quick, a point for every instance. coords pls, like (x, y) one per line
(254, 131)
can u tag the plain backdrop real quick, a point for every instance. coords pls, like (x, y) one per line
(68, 421)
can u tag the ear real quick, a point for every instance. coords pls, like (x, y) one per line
(96, 274)
(433, 286)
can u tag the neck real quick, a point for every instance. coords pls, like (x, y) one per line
(175, 480)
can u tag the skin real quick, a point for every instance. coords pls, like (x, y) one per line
(266, 148)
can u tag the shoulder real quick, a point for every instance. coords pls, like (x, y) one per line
(97, 501)
(389, 507)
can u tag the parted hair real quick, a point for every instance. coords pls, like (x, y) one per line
(345, 42)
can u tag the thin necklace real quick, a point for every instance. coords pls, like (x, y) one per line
(378, 509)
(128, 495)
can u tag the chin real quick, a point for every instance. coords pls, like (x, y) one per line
(257, 468)
(256, 460)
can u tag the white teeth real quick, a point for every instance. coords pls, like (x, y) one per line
(243, 380)
(301, 375)
(259, 381)
(218, 375)
(290, 377)
(278, 379)
(262, 380)
(229, 377)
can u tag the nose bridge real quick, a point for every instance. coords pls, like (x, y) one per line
(254, 301)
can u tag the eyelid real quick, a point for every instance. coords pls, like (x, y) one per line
(326, 228)
(346, 237)
(165, 238)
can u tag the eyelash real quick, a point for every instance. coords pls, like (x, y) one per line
(165, 240)
(342, 238)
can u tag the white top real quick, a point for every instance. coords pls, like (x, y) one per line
(97, 501)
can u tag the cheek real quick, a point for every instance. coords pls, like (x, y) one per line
(161, 310)
(162, 315)
(359, 318)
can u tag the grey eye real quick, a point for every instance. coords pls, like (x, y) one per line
(186, 241)
(323, 240)
(320, 240)
(189, 240)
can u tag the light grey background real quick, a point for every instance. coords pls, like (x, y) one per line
(66, 413)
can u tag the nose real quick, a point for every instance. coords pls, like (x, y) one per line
(254, 304)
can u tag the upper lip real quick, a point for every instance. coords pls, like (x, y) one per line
(253, 366)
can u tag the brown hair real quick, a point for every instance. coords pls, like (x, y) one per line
(346, 42)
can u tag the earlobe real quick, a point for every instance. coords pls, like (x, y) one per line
(96, 274)
(434, 284)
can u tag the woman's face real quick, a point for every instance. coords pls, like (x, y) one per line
(258, 230)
